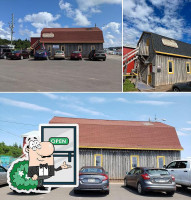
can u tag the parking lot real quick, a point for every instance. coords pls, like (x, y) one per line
(61, 75)
(117, 191)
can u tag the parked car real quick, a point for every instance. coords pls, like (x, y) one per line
(59, 55)
(20, 54)
(3, 176)
(76, 55)
(182, 87)
(97, 55)
(150, 179)
(181, 170)
(93, 178)
(41, 54)
(4, 52)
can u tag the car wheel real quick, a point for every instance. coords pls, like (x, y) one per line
(21, 57)
(125, 182)
(170, 193)
(140, 189)
(184, 187)
(104, 59)
(107, 192)
(175, 89)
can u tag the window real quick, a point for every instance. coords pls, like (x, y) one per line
(92, 47)
(188, 67)
(98, 160)
(2, 169)
(182, 164)
(49, 48)
(80, 48)
(134, 161)
(171, 67)
(172, 165)
(160, 161)
(62, 47)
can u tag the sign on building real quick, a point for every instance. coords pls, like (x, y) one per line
(48, 35)
(169, 43)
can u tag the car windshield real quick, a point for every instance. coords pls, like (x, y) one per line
(91, 170)
(16, 51)
(40, 51)
(75, 52)
(100, 51)
(157, 172)
(59, 52)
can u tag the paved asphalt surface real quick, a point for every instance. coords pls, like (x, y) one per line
(61, 75)
(117, 192)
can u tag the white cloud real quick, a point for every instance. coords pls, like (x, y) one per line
(155, 103)
(97, 100)
(75, 14)
(39, 21)
(4, 32)
(34, 107)
(123, 100)
(185, 129)
(51, 96)
(140, 16)
(188, 122)
(114, 26)
(84, 5)
(180, 133)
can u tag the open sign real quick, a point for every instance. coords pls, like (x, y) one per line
(59, 140)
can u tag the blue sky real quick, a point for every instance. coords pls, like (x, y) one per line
(32, 16)
(165, 17)
(23, 112)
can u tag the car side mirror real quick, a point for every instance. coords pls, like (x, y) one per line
(164, 166)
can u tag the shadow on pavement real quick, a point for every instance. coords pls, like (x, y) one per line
(87, 194)
(183, 191)
(147, 194)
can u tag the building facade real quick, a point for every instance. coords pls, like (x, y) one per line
(119, 146)
(69, 40)
(162, 60)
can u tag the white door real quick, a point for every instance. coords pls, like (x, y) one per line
(183, 172)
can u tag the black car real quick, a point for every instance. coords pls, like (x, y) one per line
(182, 87)
(97, 55)
(150, 179)
(4, 52)
(93, 178)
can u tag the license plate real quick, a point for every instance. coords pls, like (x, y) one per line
(160, 181)
(92, 180)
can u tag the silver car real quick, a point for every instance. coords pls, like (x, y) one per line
(181, 170)
(93, 178)
(150, 179)
(3, 176)
(59, 54)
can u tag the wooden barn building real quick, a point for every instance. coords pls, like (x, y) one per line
(163, 60)
(119, 146)
(69, 39)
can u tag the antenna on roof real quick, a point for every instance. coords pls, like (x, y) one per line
(95, 25)
(155, 118)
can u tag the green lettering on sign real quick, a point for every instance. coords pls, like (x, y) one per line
(59, 140)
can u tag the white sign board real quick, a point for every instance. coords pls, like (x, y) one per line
(48, 35)
(169, 43)
(65, 139)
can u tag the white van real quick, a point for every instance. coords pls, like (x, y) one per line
(181, 170)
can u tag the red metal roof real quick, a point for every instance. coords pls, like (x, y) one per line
(73, 35)
(95, 133)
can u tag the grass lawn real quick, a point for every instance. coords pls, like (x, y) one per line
(129, 87)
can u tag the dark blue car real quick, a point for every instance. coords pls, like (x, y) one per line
(41, 54)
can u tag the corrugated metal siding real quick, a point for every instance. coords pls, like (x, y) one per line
(180, 74)
(117, 162)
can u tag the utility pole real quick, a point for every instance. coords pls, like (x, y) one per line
(11, 26)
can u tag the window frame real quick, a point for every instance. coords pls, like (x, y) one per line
(171, 61)
(158, 157)
(136, 156)
(81, 48)
(187, 68)
(63, 45)
(95, 156)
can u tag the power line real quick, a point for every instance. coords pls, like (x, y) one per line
(10, 133)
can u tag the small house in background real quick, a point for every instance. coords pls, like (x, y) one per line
(69, 39)
(119, 146)
(163, 60)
